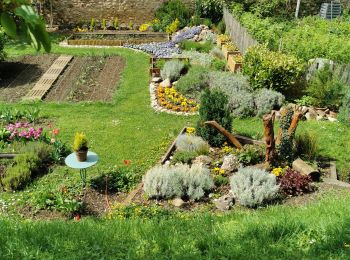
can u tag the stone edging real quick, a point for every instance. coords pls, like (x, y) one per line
(158, 108)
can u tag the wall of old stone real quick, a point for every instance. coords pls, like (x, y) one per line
(75, 11)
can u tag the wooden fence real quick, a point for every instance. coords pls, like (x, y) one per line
(239, 35)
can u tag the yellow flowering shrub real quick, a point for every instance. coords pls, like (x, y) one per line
(190, 130)
(144, 27)
(279, 171)
(224, 38)
(227, 149)
(173, 27)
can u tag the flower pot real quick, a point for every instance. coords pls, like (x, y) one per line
(233, 65)
(82, 155)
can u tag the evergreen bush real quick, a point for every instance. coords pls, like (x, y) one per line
(214, 107)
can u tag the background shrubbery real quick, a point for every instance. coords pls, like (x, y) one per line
(2, 45)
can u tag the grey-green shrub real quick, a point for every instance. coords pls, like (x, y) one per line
(172, 70)
(182, 181)
(267, 100)
(238, 91)
(193, 82)
(217, 53)
(183, 157)
(41, 149)
(192, 143)
(197, 58)
(253, 187)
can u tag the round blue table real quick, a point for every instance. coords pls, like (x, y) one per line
(72, 162)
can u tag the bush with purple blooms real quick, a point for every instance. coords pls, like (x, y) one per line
(186, 34)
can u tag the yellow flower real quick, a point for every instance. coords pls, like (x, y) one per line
(190, 130)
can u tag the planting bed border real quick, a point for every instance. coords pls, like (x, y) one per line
(159, 108)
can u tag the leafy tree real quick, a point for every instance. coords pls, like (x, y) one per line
(19, 20)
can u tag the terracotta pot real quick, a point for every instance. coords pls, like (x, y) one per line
(82, 155)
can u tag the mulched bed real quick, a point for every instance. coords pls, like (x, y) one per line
(19, 75)
(88, 79)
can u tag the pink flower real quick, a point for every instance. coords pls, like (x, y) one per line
(18, 125)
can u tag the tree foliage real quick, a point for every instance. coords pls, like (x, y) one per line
(19, 20)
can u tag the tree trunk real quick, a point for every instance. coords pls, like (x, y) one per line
(269, 137)
(226, 133)
(297, 9)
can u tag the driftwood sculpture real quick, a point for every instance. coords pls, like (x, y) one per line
(282, 145)
(226, 133)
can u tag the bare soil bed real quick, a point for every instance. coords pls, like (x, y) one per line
(19, 75)
(88, 79)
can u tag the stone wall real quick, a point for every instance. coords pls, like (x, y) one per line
(75, 11)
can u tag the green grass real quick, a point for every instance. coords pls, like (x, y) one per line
(318, 231)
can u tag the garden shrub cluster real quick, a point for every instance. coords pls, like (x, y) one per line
(316, 37)
(272, 70)
(171, 10)
(178, 181)
(211, 9)
(196, 46)
(254, 187)
(121, 179)
(26, 166)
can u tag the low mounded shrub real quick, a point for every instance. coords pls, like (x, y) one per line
(178, 181)
(196, 46)
(267, 100)
(192, 143)
(193, 82)
(172, 70)
(254, 187)
(251, 154)
(115, 180)
(197, 58)
(183, 157)
(272, 70)
(293, 183)
(217, 53)
(20, 174)
(218, 64)
(214, 107)
(211, 9)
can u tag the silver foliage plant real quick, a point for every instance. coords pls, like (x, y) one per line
(253, 187)
(183, 181)
(267, 100)
(192, 143)
(197, 58)
(172, 70)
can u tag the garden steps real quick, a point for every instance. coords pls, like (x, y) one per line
(47, 80)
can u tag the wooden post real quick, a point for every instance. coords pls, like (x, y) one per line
(269, 137)
(226, 133)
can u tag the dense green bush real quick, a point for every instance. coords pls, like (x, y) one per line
(196, 46)
(251, 154)
(2, 45)
(344, 111)
(272, 70)
(26, 165)
(115, 180)
(197, 58)
(19, 175)
(178, 181)
(326, 89)
(254, 187)
(218, 64)
(172, 70)
(193, 82)
(211, 9)
(183, 157)
(171, 10)
(214, 106)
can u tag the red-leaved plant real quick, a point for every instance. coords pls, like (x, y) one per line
(293, 183)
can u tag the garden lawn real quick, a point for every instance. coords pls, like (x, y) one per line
(318, 231)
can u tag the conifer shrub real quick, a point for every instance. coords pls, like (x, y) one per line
(214, 107)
